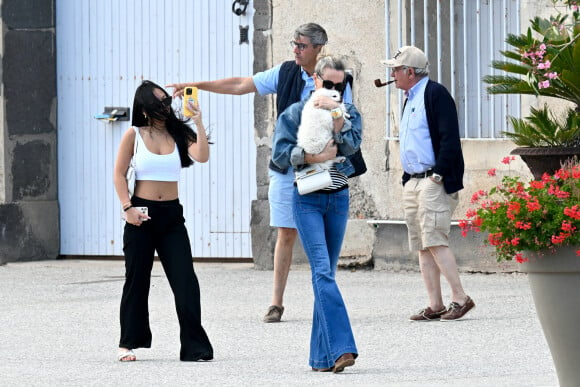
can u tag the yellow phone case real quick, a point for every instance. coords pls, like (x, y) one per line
(189, 94)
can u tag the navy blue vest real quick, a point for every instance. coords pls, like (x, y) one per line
(290, 86)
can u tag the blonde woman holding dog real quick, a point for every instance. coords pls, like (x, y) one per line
(321, 216)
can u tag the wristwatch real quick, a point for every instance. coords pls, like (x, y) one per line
(336, 113)
(437, 178)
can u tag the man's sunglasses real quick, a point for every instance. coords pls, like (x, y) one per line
(331, 85)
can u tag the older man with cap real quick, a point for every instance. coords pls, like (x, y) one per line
(433, 166)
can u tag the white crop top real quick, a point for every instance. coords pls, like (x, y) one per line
(151, 166)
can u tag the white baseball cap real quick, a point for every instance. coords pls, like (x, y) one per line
(409, 56)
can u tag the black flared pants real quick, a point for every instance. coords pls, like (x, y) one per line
(166, 233)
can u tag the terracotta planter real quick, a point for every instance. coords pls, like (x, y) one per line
(545, 159)
(555, 283)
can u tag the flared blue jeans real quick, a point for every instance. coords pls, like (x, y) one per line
(321, 222)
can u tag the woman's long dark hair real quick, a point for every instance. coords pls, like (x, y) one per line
(146, 104)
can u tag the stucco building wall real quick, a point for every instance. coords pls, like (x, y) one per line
(357, 33)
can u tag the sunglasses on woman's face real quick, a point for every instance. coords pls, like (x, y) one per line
(166, 102)
(331, 85)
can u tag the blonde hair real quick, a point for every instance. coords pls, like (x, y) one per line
(328, 62)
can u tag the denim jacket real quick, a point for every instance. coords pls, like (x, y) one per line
(286, 153)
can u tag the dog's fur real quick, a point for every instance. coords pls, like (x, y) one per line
(316, 125)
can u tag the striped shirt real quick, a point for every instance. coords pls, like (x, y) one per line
(339, 181)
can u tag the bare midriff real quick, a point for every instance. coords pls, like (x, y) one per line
(156, 190)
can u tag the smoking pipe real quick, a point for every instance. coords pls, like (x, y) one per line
(379, 83)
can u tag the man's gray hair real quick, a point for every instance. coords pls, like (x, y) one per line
(421, 72)
(328, 62)
(314, 32)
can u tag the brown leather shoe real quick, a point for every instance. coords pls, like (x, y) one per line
(428, 314)
(344, 361)
(456, 311)
(321, 369)
(274, 314)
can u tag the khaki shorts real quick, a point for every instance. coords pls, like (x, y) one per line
(428, 210)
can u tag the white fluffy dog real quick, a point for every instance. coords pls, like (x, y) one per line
(316, 126)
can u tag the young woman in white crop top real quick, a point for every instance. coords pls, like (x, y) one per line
(162, 132)
(165, 144)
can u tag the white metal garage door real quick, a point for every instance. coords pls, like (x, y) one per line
(105, 48)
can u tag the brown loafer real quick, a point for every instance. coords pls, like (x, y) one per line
(344, 361)
(456, 311)
(321, 369)
(428, 314)
(274, 314)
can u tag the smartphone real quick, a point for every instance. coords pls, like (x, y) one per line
(189, 95)
(143, 210)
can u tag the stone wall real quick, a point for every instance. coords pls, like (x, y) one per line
(29, 217)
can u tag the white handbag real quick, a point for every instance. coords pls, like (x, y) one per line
(312, 178)
(130, 176)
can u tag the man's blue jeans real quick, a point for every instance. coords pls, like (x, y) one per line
(321, 222)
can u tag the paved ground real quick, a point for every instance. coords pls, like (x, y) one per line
(59, 326)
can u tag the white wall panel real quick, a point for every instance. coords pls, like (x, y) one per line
(105, 49)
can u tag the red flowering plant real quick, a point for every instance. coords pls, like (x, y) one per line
(519, 217)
